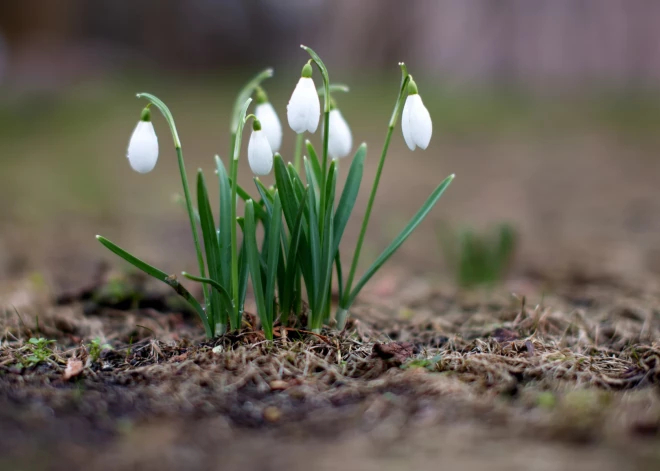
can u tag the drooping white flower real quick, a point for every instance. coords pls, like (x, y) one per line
(260, 155)
(270, 124)
(416, 122)
(304, 108)
(340, 139)
(142, 150)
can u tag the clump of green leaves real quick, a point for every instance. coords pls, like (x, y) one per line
(95, 348)
(479, 258)
(35, 352)
(303, 217)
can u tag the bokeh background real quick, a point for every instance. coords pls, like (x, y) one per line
(547, 111)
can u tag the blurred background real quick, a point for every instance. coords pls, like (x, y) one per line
(547, 111)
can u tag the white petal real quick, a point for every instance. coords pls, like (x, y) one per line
(304, 108)
(142, 150)
(260, 155)
(405, 123)
(270, 124)
(340, 139)
(421, 126)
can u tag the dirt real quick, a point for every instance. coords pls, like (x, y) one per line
(497, 380)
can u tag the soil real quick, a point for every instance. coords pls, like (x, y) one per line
(496, 380)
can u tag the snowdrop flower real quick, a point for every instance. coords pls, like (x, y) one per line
(270, 123)
(260, 155)
(304, 108)
(416, 121)
(340, 139)
(142, 150)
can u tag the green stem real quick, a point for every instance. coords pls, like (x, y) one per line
(191, 215)
(372, 198)
(297, 155)
(234, 243)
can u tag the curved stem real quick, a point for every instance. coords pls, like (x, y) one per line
(192, 216)
(162, 107)
(235, 320)
(372, 197)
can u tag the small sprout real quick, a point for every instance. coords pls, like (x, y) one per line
(142, 151)
(304, 108)
(340, 139)
(40, 351)
(479, 258)
(416, 122)
(260, 155)
(95, 348)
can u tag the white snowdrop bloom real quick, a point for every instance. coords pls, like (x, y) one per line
(260, 155)
(304, 108)
(415, 120)
(270, 124)
(340, 140)
(142, 150)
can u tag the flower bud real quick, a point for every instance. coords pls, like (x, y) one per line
(416, 122)
(142, 150)
(304, 108)
(340, 140)
(260, 154)
(270, 123)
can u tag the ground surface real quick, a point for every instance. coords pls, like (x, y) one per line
(557, 368)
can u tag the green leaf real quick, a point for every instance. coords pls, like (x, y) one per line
(242, 278)
(285, 187)
(224, 227)
(400, 239)
(214, 284)
(340, 276)
(245, 93)
(316, 164)
(311, 181)
(327, 247)
(315, 250)
(291, 263)
(266, 196)
(297, 182)
(255, 268)
(349, 195)
(274, 248)
(218, 312)
(161, 276)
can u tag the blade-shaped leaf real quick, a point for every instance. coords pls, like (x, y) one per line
(291, 263)
(400, 239)
(274, 249)
(255, 268)
(312, 283)
(297, 182)
(316, 164)
(224, 223)
(218, 312)
(349, 195)
(214, 284)
(287, 195)
(340, 276)
(243, 274)
(162, 276)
